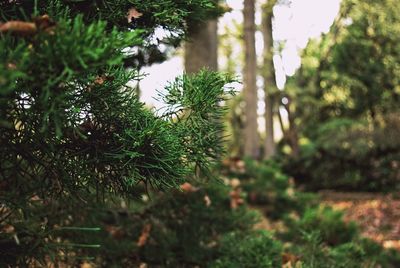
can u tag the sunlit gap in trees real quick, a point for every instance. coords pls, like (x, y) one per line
(293, 26)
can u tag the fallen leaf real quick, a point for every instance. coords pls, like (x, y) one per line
(115, 232)
(8, 229)
(86, 265)
(144, 236)
(11, 66)
(18, 27)
(188, 188)
(133, 14)
(235, 183)
(289, 258)
(24, 28)
(236, 198)
(378, 215)
(207, 200)
(99, 80)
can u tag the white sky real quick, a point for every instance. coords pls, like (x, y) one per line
(294, 24)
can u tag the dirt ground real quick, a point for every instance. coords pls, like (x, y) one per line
(378, 215)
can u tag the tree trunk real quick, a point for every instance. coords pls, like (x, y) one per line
(268, 73)
(269, 143)
(281, 124)
(292, 134)
(201, 49)
(251, 143)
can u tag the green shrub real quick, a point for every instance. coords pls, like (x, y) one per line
(188, 227)
(313, 253)
(267, 186)
(347, 154)
(333, 230)
(378, 255)
(251, 250)
(177, 229)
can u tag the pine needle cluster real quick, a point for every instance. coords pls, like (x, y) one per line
(72, 131)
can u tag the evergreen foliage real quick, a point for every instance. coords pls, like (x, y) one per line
(189, 226)
(346, 99)
(329, 223)
(306, 233)
(172, 18)
(257, 249)
(72, 133)
(90, 176)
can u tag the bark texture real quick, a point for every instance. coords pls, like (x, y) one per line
(201, 48)
(251, 143)
(268, 73)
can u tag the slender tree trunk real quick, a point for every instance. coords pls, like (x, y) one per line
(292, 134)
(281, 124)
(269, 143)
(201, 49)
(268, 73)
(251, 143)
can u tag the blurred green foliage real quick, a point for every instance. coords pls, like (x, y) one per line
(329, 223)
(308, 233)
(257, 249)
(346, 99)
(266, 185)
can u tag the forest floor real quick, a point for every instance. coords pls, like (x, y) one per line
(378, 215)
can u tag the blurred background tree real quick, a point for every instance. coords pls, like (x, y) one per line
(268, 72)
(251, 136)
(346, 100)
(90, 176)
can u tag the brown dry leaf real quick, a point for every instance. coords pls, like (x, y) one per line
(188, 188)
(226, 162)
(11, 66)
(207, 200)
(395, 244)
(8, 229)
(99, 80)
(235, 183)
(35, 198)
(24, 28)
(86, 265)
(378, 215)
(115, 232)
(144, 236)
(241, 164)
(289, 258)
(236, 198)
(133, 14)
(18, 27)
